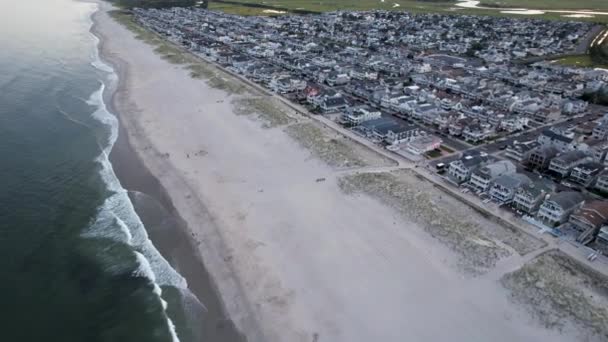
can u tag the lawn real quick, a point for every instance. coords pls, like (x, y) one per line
(332, 5)
(583, 61)
(414, 6)
(549, 4)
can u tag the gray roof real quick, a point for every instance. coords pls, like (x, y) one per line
(525, 146)
(571, 156)
(554, 136)
(591, 166)
(513, 180)
(567, 199)
(385, 124)
(535, 188)
(546, 151)
(498, 168)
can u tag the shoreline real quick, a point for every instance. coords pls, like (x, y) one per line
(180, 250)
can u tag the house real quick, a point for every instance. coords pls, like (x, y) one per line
(602, 236)
(424, 110)
(460, 170)
(586, 173)
(504, 187)
(284, 85)
(559, 141)
(521, 151)
(476, 132)
(360, 114)
(389, 130)
(601, 183)
(556, 209)
(601, 130)
(482, 178)
(529, 197)
(541, 157)
(588, 219)
(337, 78)
(423, 144)
(563, 164)
(333, 104)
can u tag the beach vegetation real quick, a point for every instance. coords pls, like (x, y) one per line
(558, 290)
(477, 241)
(266, 109)
(327, 146)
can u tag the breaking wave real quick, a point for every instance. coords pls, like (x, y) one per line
(116, 219)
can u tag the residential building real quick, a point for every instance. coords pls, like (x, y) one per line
(563, 164)
(460, 170)
(389, 130)
(520, 152)
(529, 197)
(504, 187)
(556, 209)
(357, 115)
(588, 220)
(333, 104)
(586, 173)
(482, 178)
(553, 139)
(541, 157)
(601, 184)
(423, 144)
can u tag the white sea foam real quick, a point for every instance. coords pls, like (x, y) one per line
(144, 270)
(116, 218)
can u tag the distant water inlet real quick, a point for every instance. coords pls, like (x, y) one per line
(526, 11)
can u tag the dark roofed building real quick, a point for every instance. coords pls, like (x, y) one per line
(390, 130)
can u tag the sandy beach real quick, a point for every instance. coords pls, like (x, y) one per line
(294, 258)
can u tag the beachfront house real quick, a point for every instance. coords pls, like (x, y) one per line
(423, 144)
(588, 219)
(333, 104)
(529, 197)
(482, 178)
(358, 115)
(556, 209)
(460, 171)
(504, 187)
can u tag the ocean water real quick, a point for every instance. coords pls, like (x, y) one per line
(76, 262)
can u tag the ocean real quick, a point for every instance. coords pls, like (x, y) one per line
(77, 261)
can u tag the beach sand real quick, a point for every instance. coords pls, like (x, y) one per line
(295, 259)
